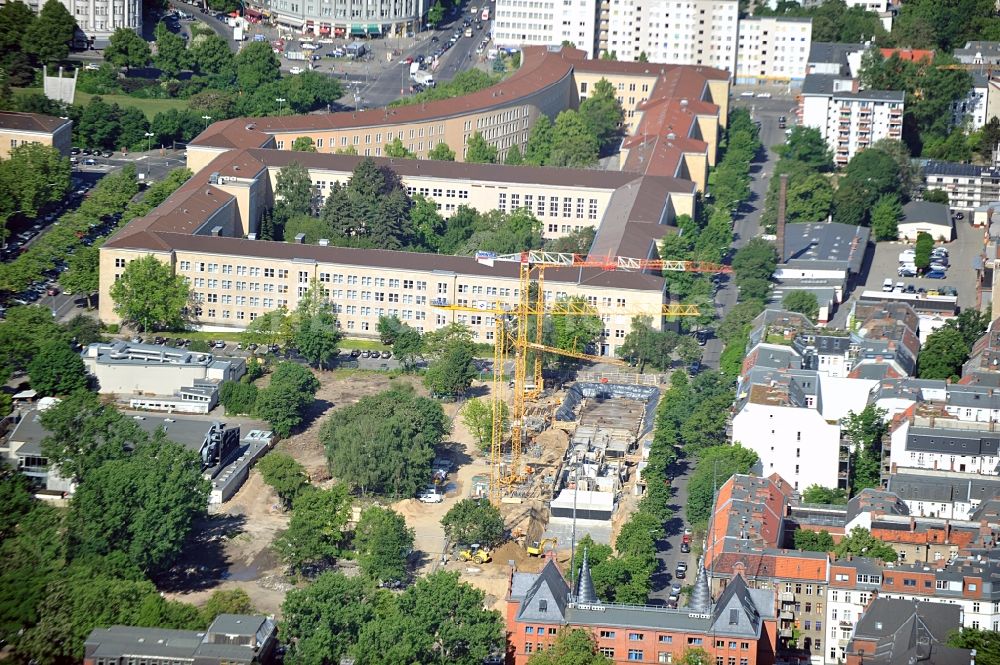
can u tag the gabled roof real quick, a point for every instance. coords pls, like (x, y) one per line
(31, 122)
(905, 631)
(735, 612)
(545, 600)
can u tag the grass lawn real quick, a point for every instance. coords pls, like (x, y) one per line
(148, 106)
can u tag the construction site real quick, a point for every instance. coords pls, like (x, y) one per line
(582, 463)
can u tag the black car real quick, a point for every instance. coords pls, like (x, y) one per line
(356, 353)
(685, 548)
(434, 39)
(74, 151)
(701, 337)
(680, 573)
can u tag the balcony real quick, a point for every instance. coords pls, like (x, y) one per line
(787, 597)
(787, 616)
(785, 632)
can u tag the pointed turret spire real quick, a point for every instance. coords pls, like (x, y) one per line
(701, 595)
(585, 592)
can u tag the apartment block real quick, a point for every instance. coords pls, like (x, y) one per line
(895, 631)
(745, 542)
(698, 32)
(17, 129)
(340, 18)
(791, 419)
(969, 186)
(977, 108)
(944, 443)
(527, 22)
(773, 50)
(850, 120)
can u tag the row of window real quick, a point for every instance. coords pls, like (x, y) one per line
(582, 205)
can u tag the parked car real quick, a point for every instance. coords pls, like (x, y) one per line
(887, 285)
(295, 70)
(906, 271)
(685, 548)
(355, 353)
(386, 355)
(935, 274)
(681, 571)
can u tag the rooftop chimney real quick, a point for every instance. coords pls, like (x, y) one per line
(782, 194)
(216, 231)
(300, 238)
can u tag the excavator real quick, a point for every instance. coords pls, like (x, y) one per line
(537, 548)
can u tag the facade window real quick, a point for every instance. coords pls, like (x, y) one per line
(608, 634)
(608, 652)
(635, 654)
(635, 637)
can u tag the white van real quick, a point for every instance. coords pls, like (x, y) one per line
(907, 256)
(887, 285)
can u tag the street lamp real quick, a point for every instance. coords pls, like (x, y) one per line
(149, 149)
(281, 101)
(206, 118)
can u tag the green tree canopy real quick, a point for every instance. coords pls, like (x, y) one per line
(256, 65)
(127, 49)
(643, 344)
(603, 114)
(479, 151)
(885, 217)
(284, 402)
(304, 144)
(813, 541)
(572, 647)
(827, 495)
(384, 443)
(539, 142)
(143, 505)
(715, 466)
(803, 302)
(383, 543)
(48, 38)
(860, 542)
(442, 153)
(472, 521)
(453, 372)
(286, 476)
(573, 142)
(806, 145)
(172, 56)
(57, 369)
(150, 296)
(315, 534)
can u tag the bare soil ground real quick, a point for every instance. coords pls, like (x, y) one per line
(232, 548)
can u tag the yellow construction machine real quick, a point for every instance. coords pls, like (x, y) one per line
(537, 548)
(475, 553)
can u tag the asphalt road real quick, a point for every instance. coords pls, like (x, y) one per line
(669, 549)
(746, 225)
(393, 82)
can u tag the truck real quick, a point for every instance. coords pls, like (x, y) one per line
(414, 69)
(295, 55)
(238, 34)
(486, 14)
(425, 79)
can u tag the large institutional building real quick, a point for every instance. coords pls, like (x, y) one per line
(17, 129)
(207, 230)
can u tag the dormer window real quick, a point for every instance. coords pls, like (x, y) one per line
(543, 606)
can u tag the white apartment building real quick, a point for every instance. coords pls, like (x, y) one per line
(969, 186)
(773, 50)
(945, 444)
(975, 110)
(527, 22)
(696, 32)
(791, 419)
(98, 19)
(850, 120)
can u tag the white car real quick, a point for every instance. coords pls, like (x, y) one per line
(92, 66)
(748, 93)
(308, 46)
(428, 496)
(764, 95)
(295, 70)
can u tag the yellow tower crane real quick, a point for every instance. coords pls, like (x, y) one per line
(512, 322)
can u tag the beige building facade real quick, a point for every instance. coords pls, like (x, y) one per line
(208, 230)
(17, 129)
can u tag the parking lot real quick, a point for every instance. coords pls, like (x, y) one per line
(961, 275)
